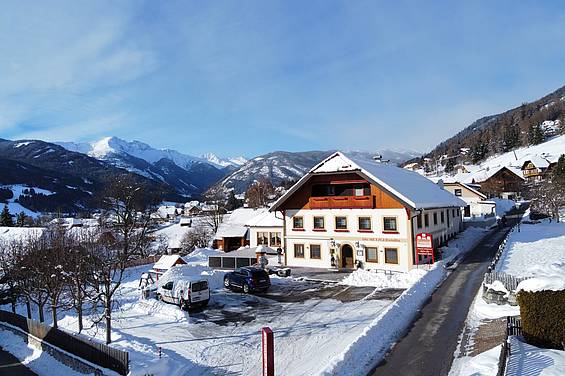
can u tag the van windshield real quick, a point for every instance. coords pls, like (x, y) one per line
(199, 286)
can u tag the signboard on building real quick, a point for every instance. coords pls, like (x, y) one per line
(424, 247)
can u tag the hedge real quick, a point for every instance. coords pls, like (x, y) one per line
(543, 318)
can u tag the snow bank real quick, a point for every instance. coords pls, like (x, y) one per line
(481, 310)
(483, 364)
(503, 206)
(200, 256)
(38, 361)
(497, 286)
(154, 307)
(526, 359)
(374, 342)
(362, 277)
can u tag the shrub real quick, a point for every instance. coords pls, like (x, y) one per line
(543, 317)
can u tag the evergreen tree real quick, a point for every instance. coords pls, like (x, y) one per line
(20, 219)
(511, 138)
(535, 134)
(6, 217)
(232, 202)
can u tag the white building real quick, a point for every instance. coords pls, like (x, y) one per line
(266, 229)
(354, 212)
(477, 204)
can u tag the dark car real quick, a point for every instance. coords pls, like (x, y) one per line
(248, 279)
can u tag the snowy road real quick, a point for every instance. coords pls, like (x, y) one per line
(428, 347)
(10, 365)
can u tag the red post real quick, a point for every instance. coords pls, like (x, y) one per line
(268, 351)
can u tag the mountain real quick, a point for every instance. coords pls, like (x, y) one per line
(185, 173)
(228, 162)
(281, 167)
(525, 125)
(66, 181)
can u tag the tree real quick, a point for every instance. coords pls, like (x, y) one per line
(213, 215)
(21, 219)
(535, 134)
(197, 237)
(450, 165)
(128, 204)
(258, 194)
(6, 217)
(232, 202)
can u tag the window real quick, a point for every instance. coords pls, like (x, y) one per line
(391, 255)
(458, 212)
(341, 223)
(319, 223)
(442, 217)
(372, 254)
(467, 211)
(426, 220)
(389, 223)
(458, 192)
(419, 220)
(262, 238)
(299, 250)
(315, 251)
(275, 239)
(453, 213)
(435, 218)
(364, 223)
(297, 222)
(359, 190)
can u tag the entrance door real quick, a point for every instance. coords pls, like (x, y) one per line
(347, 256)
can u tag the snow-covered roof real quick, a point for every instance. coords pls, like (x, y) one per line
(537, 161)
(469, 187)
(234, 224)
(265, 219)
(167, 261)
(551, 283)
(410, 187)
(250, 252)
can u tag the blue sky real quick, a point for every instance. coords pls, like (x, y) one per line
(248, 77)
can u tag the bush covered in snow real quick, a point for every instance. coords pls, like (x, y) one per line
(543, 317)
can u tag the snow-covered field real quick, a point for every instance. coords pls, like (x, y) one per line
(537, 250)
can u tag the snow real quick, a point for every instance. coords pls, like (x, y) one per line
(234, 224)
(481, 310)
(20, 144)
(362, 277)
(483, 364)
(536, 250)
(497, 286)
(200, 256)
(266, 219)
(526, 359)
(38, 361)
(18, 190)
(503, 206)
(166, 262)
(543, 284)
(8, 234)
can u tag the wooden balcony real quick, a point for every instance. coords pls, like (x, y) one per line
(342, 202)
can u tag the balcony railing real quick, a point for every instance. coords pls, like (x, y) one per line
(342, 202)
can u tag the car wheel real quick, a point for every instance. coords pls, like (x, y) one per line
(226, 282)
(246, 288)
(181, 303)
(160, 297)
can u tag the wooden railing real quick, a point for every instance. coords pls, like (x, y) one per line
(342, 202)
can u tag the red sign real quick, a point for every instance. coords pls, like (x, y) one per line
(424, 246)
(268, 350)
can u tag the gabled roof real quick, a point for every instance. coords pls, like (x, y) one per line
(265, 219)
(413, 189)
(469, 187)
(167, 261)
(234, 224)
(537, 161)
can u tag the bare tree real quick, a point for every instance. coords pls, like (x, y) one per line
(123, 237)
(197, 237)
(259, 193)
(213, 216)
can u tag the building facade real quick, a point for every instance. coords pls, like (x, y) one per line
(346, 213)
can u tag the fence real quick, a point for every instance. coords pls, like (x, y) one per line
(148, 260)
(94, 352)
(513, 328)
(510, 282)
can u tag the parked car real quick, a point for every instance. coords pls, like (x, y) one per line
(248, 279)
(186, 293)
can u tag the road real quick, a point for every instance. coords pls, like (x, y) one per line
(429, 345)
(10, 365)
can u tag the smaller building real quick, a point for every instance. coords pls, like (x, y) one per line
(505, 182)
(165, 263)
(477, 204)
(535, 168)
(266, 229)
(233, 232)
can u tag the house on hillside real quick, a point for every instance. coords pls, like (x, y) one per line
(67, 223)
(477, 204)
(192, 209)
(266, 229)
(415, 166)
(504, 182)
(165, 263)
(233, 232)
(346, 212)
(535, 168)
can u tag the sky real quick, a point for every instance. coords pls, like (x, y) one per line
(250, 77)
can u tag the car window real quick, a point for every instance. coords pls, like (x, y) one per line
(199, 286)
(259, 274)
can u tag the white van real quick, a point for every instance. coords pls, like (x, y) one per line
(186, 293)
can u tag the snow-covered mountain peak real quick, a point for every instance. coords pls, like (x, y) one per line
(234, 161)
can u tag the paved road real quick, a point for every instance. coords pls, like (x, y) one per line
(428, 347)
(10, 365)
